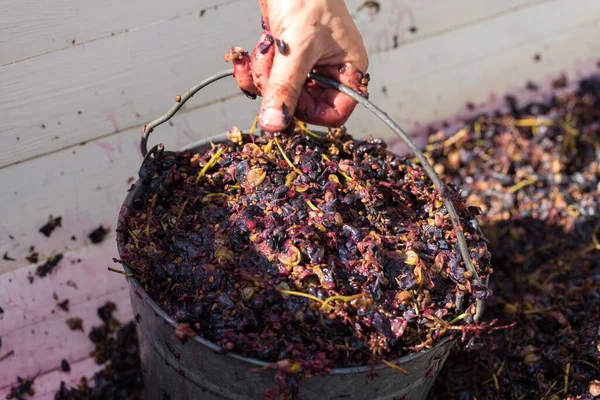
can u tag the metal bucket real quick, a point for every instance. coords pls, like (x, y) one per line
(199, 369)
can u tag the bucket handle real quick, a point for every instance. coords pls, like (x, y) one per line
(437, 181)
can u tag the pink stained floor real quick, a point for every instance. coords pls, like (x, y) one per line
(34, 327)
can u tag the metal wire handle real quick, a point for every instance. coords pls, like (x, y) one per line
(437, 181)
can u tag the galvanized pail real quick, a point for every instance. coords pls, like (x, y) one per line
(199, 369)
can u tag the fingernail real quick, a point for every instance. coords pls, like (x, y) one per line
(272, 119)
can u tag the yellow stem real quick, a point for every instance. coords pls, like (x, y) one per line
(589, 364)
(254, 124)
(346, 176)
(459, 318)
(164, 225)
(290, 178)
(569, 129)
(300, 294)
(212, 196)
(496, 383)
(181, 212)
(122, 273)
(423, 344)
(304, 129)
(213, 160)
(324, 303)
(595, 239)
(345, 299)
(549, 390)
(152, 204)
(567, 369)
(533, 122)
(311, 205)
(501, 367)
(455, 138)
(292, 166)
(394, 366)
(135, 239)
(540, 310)
(522, 184)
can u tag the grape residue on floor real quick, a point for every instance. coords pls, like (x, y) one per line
(536, 176)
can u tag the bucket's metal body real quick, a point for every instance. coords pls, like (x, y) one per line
(199, 369)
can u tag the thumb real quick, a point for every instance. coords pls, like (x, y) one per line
(284, 86)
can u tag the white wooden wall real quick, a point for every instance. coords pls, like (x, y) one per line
(78, 80)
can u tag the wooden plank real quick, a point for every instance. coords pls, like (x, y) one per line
(29, 30)
(399, 22)
(86, 185)
(35, 328)
(433, 79)
(116, 83)
(124, 81)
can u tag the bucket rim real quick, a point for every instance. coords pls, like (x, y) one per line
(136, 287)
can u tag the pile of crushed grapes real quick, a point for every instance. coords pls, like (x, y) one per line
(317, 250)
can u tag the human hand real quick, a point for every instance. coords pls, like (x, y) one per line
(301, 36)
